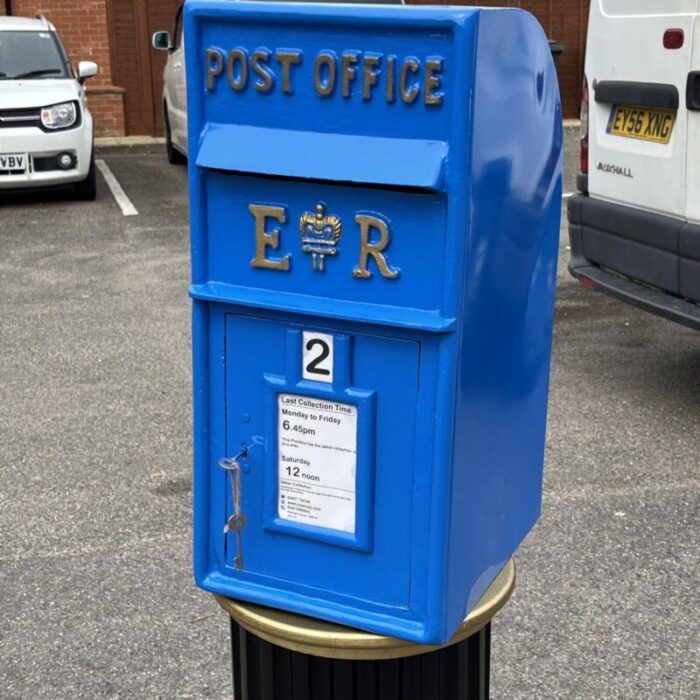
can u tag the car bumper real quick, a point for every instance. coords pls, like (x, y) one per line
(42, 147)
(647, 260)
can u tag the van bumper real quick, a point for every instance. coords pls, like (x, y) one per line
(647, 260)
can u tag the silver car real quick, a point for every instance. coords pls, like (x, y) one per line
(174, 91)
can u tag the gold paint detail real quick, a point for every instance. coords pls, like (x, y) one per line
(258, 62)
(370, 73)
(237, 81)
(328, 59)
(319, 235)
(407, 79)
(348, 62)
(408, 92)
(320, 638)
(215, 64)
(287, 58)
(390, 69)
(374, 249)
(433, 65)
(268, 239)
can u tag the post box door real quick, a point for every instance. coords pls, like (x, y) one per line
(328, 500)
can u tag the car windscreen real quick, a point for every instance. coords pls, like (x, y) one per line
(31, 56)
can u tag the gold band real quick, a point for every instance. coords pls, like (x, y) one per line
(320, 638)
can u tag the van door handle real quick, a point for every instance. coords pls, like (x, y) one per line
(692, 91)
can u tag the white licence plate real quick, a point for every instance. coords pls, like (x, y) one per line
(16, 162)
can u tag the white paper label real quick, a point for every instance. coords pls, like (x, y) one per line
(317, 457)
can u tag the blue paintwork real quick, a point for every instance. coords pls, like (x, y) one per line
(448, 363)
(396, 162)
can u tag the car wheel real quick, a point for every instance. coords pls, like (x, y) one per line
(174, 156)
(87, 188)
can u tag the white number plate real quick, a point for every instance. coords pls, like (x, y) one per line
(16, 162)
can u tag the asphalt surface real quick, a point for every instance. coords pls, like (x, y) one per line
(96, 593)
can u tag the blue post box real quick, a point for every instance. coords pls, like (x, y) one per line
(375, 201)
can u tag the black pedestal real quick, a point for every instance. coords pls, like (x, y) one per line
(279, 655)
(265, 671)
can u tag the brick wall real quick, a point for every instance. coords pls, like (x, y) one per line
(85, 34)
(108, 112)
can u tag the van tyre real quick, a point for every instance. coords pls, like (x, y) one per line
(86, 190)
(174, 156)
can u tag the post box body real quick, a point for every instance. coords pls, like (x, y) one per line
(375, 202)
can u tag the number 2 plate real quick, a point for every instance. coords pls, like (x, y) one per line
(317, 357)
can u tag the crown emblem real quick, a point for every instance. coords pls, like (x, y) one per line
(319, 235)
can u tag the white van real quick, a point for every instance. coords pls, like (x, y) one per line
(174, 91)
(635, 223)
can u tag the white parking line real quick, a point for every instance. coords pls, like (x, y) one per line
(128, 209)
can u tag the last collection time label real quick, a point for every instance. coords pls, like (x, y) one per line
(317, 460)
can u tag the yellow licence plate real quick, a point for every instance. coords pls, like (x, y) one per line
(641, 123)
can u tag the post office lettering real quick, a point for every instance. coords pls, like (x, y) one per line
(349, 70)
(237, 69)
(214, 64)
(370, 74)
(260, 63)
(364, 76)
(407, 87)
(324, 73)
(287, 58)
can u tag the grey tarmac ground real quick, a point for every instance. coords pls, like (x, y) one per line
(96, 593)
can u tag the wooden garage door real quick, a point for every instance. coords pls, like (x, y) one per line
(564, 21)
(137, 67)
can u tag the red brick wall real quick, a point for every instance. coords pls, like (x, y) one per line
(82, 25)
(108, 112)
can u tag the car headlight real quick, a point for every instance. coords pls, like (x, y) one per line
(59, 116)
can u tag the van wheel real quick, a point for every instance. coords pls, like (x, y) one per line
(174, 156)
(87, 188)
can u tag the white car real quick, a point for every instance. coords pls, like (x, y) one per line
(174, 91)
(635, 224)
(46, 135)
